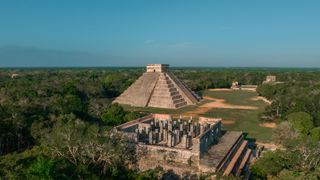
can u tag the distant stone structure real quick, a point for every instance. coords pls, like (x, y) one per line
(249, 87)
(237, 86)
(188, 146)
(158, 87)
(270, 79)
(14, 76)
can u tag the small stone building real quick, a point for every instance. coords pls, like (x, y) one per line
(270, 79)
(235, 85)
(158, 87)
(188, 146)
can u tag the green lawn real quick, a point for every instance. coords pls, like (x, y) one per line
(236, 97)
(245, 120)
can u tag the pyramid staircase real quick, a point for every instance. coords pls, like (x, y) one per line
(191, 94)
(165, 94)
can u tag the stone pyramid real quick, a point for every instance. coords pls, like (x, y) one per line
(158, 87)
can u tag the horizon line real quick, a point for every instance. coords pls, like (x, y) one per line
(117, 66)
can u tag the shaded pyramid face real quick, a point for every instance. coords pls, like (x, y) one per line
(160, 89)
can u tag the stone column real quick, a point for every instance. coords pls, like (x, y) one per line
(165, 135)
(184, 141)
(170, 126)
(169, 142)
(202, 128)
(191, 130)
(160, 131)
(150, 137)
(181, 126)
(174, 140)
(189, 137)
(177, 134)
(156, 139)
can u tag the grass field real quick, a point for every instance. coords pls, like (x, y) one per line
(242, 120)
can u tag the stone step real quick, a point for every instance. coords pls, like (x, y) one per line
(235, 158)
(177, 101)
(181, 104)
(165, 92)
(176, 97)
(244, 161)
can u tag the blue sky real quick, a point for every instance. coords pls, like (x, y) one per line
(229, 33)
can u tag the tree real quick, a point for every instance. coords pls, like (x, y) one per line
(315, 134)
(271, 163)
(283, 133)
(287, 174)
(267, 90)
(88, 145)
(113, 115)
(42, 168)
(301, 121)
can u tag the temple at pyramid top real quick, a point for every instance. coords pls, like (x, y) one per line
(158, 87)
(157, 67)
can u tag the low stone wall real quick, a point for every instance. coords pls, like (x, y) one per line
(162, 116)
(162, 153)
(122, 127)
(181, 161)
(207, 139)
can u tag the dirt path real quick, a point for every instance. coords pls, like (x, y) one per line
(268, 125)
(228, 121)
(257, 98)
(221, 89)
(269, 146)
(217, 103)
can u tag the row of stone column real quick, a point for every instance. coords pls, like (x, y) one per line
(170, 133)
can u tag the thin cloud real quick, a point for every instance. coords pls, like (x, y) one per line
(183, 45)
(149, 41)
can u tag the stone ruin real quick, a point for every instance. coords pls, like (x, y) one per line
(247, 87)
(158, 87)
(188, 146)
(235, 85)
(270, 79)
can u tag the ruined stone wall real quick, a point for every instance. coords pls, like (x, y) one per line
(169, 154)
(179, 160)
